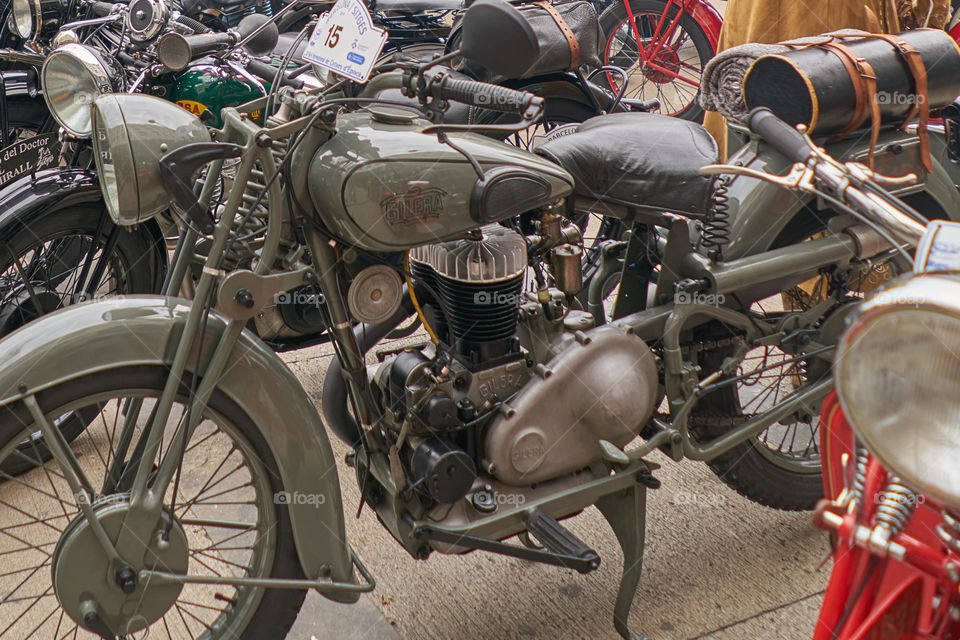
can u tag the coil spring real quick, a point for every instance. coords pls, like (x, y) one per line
(896, 505)
(715, 232)
(949, 531)
(860, 461)
(252, 223)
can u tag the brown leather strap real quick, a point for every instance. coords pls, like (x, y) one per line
(864, 81)
(921, 105)
(567, 32)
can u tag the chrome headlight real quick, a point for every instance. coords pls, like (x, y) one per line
(131, 133)
(33, 18)
(73, 77)
(23, 18)
(898, 377)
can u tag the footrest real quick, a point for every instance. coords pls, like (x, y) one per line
(559, 541)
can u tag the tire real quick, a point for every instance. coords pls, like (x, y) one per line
(139, 268)
(620, 50)
(261, 613)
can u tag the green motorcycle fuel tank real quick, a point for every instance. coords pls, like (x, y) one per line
(206, 89)
(383, 183)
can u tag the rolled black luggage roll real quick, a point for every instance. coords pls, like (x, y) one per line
(814, 85)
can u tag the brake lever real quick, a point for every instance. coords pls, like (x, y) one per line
(863, 172)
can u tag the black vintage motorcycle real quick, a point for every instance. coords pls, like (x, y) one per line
(205, 481)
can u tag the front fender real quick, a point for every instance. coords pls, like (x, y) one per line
(144, 330)
(25, 200)
(29, 195)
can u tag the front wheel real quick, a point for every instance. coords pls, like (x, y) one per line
(662, 52)
(225, 521)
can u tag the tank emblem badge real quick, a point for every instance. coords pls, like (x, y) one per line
(415, 206)
(193, 106)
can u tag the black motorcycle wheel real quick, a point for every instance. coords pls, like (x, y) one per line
(230, 477)
(49, 250)
(680, 61)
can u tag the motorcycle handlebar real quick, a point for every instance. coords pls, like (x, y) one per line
(102, 9)
(488, 96)
(266, 71)
(780, 135)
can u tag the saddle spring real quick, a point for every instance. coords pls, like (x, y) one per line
(715, 231)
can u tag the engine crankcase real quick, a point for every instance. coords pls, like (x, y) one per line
(602, 388)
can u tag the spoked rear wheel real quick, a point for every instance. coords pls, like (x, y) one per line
(663, 58)
(780, 467)
(226, 522)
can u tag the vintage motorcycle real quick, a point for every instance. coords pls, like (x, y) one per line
(892, 505)
(205, 482)
(50, 218)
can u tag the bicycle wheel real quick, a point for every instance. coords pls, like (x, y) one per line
(663, 57)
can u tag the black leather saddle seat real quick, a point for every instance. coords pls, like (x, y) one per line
(639, 159)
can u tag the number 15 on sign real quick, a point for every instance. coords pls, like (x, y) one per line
(346, 42)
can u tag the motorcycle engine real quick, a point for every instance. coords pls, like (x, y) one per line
(474, 288)
(478, 409)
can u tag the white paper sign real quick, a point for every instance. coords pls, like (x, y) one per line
(939, 249)
(346, 42)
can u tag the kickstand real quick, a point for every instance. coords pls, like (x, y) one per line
(626, 513)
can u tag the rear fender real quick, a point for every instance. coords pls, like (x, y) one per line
(709, 19)
(144, 330)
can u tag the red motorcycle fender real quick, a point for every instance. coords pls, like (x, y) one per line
(836, 439)
(708, 18)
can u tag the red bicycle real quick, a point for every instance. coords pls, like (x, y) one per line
(663, 45)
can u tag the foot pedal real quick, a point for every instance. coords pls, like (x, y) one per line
(557, 540)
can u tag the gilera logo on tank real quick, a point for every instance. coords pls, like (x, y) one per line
(415, 206)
